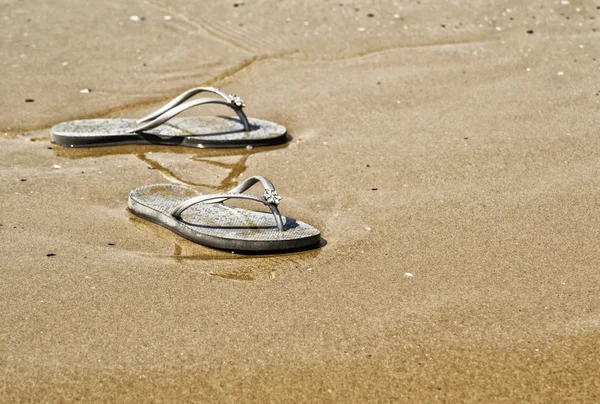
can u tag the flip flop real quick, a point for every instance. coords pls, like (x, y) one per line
(204, 219)
(199, 131)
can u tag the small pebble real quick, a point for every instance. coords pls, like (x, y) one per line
(368, 229)
(249, 147)
(23, 180)
(167, 18)
(136, 18)
(50, 255)
(408, 274)
(310, 269)
(361, 29)
(85, 91)
(56, 166)
(560, 73)
(29, 100)
(373, 189)
(370, 15)
(111, 243)
(530, 31)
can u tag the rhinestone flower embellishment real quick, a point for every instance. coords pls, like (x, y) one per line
(272, 196)
(236, 101)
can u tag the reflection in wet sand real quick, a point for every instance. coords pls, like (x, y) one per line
(142, 152)
(185, 250)
(168, 174)
(235, 170)
(242, 275)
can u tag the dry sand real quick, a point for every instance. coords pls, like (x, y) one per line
(435, 138)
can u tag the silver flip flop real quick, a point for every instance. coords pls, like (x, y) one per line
(204, 219)
(200, 131)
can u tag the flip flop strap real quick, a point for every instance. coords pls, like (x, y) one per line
(231, 98)
(248, 182)
(270, 198)
(190, 104)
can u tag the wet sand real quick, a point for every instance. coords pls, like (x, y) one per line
(448, 155)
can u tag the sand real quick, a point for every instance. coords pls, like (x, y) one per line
(448, 156)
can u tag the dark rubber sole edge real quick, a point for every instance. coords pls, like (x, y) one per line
(146, 139)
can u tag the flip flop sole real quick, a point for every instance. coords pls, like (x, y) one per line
(201, 132)
(217, 225)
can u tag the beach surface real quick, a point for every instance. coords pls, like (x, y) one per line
(448, 152)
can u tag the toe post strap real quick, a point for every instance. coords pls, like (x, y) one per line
(269, 198)
(178, 105)
(230, 98)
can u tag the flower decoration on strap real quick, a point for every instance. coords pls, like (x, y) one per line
(271, 196)
(236, 101)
